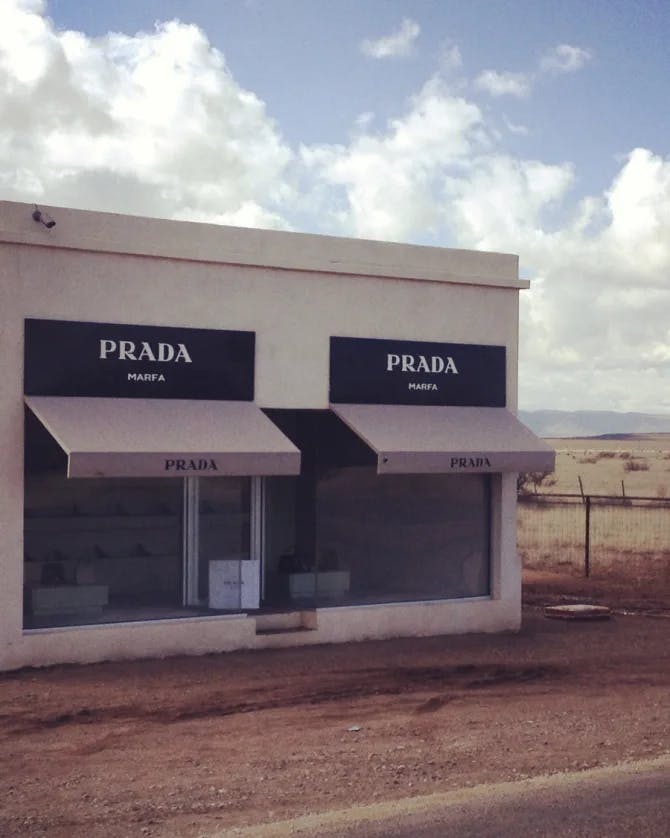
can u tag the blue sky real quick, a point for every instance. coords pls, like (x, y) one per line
(527, 126)
(303, 58)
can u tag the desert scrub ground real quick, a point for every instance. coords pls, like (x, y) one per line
(640, 461)
(628, 541)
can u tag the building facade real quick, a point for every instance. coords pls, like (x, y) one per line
(219, 438)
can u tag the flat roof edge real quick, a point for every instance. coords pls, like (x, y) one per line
(84, 230)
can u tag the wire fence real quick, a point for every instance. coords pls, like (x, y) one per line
(595, 534)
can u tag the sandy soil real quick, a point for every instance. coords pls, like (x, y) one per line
(192, 746)
(624, 593)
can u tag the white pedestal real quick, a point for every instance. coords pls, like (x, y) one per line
(234, 584)
(68, 599)
(331, 583)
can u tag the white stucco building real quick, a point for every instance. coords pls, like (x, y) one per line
(217, 438)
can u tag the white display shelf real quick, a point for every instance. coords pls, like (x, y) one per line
(326, 583)
(50, 600)
(98, 523)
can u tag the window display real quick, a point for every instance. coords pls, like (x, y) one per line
(228, 576)
(112, 550)
(101, 550)
(389, 538)
(341, 533)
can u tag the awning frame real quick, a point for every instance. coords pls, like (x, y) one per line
(108, 437)
(427, 439)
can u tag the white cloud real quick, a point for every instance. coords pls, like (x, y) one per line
(364, 120)
(383, 186)
(639, 204)
(152, 123)
(504, 84)
(249, 214)
(594, 328)
(514, 128)
(565, 59)
(396, 45)
(502, 200)
(450, 58)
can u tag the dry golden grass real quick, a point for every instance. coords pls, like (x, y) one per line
(627, 540)
(641, 462)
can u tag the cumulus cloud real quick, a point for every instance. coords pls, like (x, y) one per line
(594, 330)
(383, 185)
(396, 45)
(155, 124)
(152, 123)
(450, 58)
(561, 59)
(594, 327)
(565, 59)
(504, 84)
(503, 199)
(639, 205)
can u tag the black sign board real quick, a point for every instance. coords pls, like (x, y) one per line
(65, 358)
(372, 371)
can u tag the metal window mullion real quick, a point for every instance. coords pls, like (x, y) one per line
(257, 537)
(190, 540)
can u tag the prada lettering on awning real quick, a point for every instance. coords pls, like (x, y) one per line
(106, 437)
(416, 439)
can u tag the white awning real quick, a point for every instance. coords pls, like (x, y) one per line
(164, 437)
(411, 439)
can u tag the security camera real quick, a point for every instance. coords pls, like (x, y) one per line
(43, 218)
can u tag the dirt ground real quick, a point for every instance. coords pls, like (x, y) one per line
(196, 746)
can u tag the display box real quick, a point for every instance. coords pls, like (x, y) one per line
(234, 584)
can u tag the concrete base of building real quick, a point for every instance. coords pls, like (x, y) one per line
(207, 635)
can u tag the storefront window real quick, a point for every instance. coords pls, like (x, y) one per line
(101, 550)
(401, 537)
(342, 534)
(283, 557)
(113, 550)
(228, 577)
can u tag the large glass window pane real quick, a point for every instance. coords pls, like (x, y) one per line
(282, 559)
(96, 550)
(110, 550)
(101, 550)
(401, 537)
(228, 577)
(291, 552)
(340, 533)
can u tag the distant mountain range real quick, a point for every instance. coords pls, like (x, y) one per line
(579, 423)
